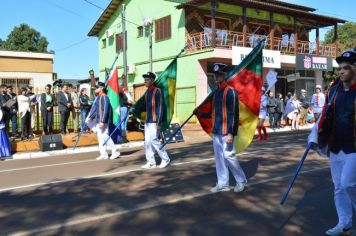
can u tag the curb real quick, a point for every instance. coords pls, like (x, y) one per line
(95, 148)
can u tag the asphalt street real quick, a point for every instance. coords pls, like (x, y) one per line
(78, 195)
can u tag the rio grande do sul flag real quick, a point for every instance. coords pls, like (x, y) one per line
(166, 81)
(246, 78)
(113, 92)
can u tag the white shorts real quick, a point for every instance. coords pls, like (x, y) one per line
(262, 115)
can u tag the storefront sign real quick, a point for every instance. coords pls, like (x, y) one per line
(271, 59)
(312, 62)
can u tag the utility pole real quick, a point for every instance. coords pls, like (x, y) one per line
(147, 22)
(213, 24)
(124, 43)
(150, 46)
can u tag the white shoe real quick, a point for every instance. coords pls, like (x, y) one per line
(148, 166)
(239, 187)
(115, 155)
(219, 188)
(164, 163)
(102, 158)
(339, 230)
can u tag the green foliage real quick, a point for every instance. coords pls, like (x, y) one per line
(330, 76)
(25, 38)
(346, 35)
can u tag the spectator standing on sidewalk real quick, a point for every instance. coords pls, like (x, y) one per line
(304, 102)
(295, 116)
(47, 103)
(30, 94)
(64, 107)
(272, 110)
(125, 103)
(318, 102)
(84, 107)
(279, 110)
(75, 108)
(262, 116)
(24, 102)
(13, 111)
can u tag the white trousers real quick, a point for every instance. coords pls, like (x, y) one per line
(225, 159)
(103, 135)
(152, 144)
(343, 172)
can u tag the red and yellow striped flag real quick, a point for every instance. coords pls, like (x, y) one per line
(246, 78)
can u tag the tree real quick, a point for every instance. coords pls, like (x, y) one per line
(346, 35)
(25, 38)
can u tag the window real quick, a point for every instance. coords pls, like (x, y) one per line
(139, 31)
(17, 84)
(163, 28)
(103, 43)
(119, 42)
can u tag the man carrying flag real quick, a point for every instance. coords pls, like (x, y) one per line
(336, 132)
(102, 118)
(154, 117)
(225, 120)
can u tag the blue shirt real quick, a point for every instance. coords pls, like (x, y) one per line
(154, 105)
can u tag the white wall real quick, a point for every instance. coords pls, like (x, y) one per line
(39, 80)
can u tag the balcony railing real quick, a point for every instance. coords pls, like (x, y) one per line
(228, 39)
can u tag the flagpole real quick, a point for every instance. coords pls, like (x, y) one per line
(301, 162)
(118, 124)
(76, 143)
(297, 170)
(108, 75)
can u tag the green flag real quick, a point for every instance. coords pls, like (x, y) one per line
(113, 94)
(166, 81)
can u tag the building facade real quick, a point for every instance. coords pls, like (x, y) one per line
(26, 68)
(225, 35)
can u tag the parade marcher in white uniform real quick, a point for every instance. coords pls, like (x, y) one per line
(262, 116)
(225, 120)
(335, 132)
(102, 116)
(318, 102)
(154, 118)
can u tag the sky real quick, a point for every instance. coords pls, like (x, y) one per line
(66, 23)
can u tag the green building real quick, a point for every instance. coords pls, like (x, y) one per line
(226, 38)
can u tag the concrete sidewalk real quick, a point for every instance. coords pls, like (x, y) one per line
(191, 133)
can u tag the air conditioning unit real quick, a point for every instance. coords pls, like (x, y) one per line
(131, 69)
(109, 33)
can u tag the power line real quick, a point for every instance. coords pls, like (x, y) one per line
(66, 10)
(113, 14)
(99, 7)
(72, 45)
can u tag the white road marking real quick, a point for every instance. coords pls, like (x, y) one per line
(96, 176)
(125, 156)
(141, 208)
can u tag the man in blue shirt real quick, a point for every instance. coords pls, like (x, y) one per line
(102, 118)
(336, 131)
(225, 121)
(154, 117)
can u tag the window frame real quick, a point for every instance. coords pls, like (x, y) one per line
(163, 28)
